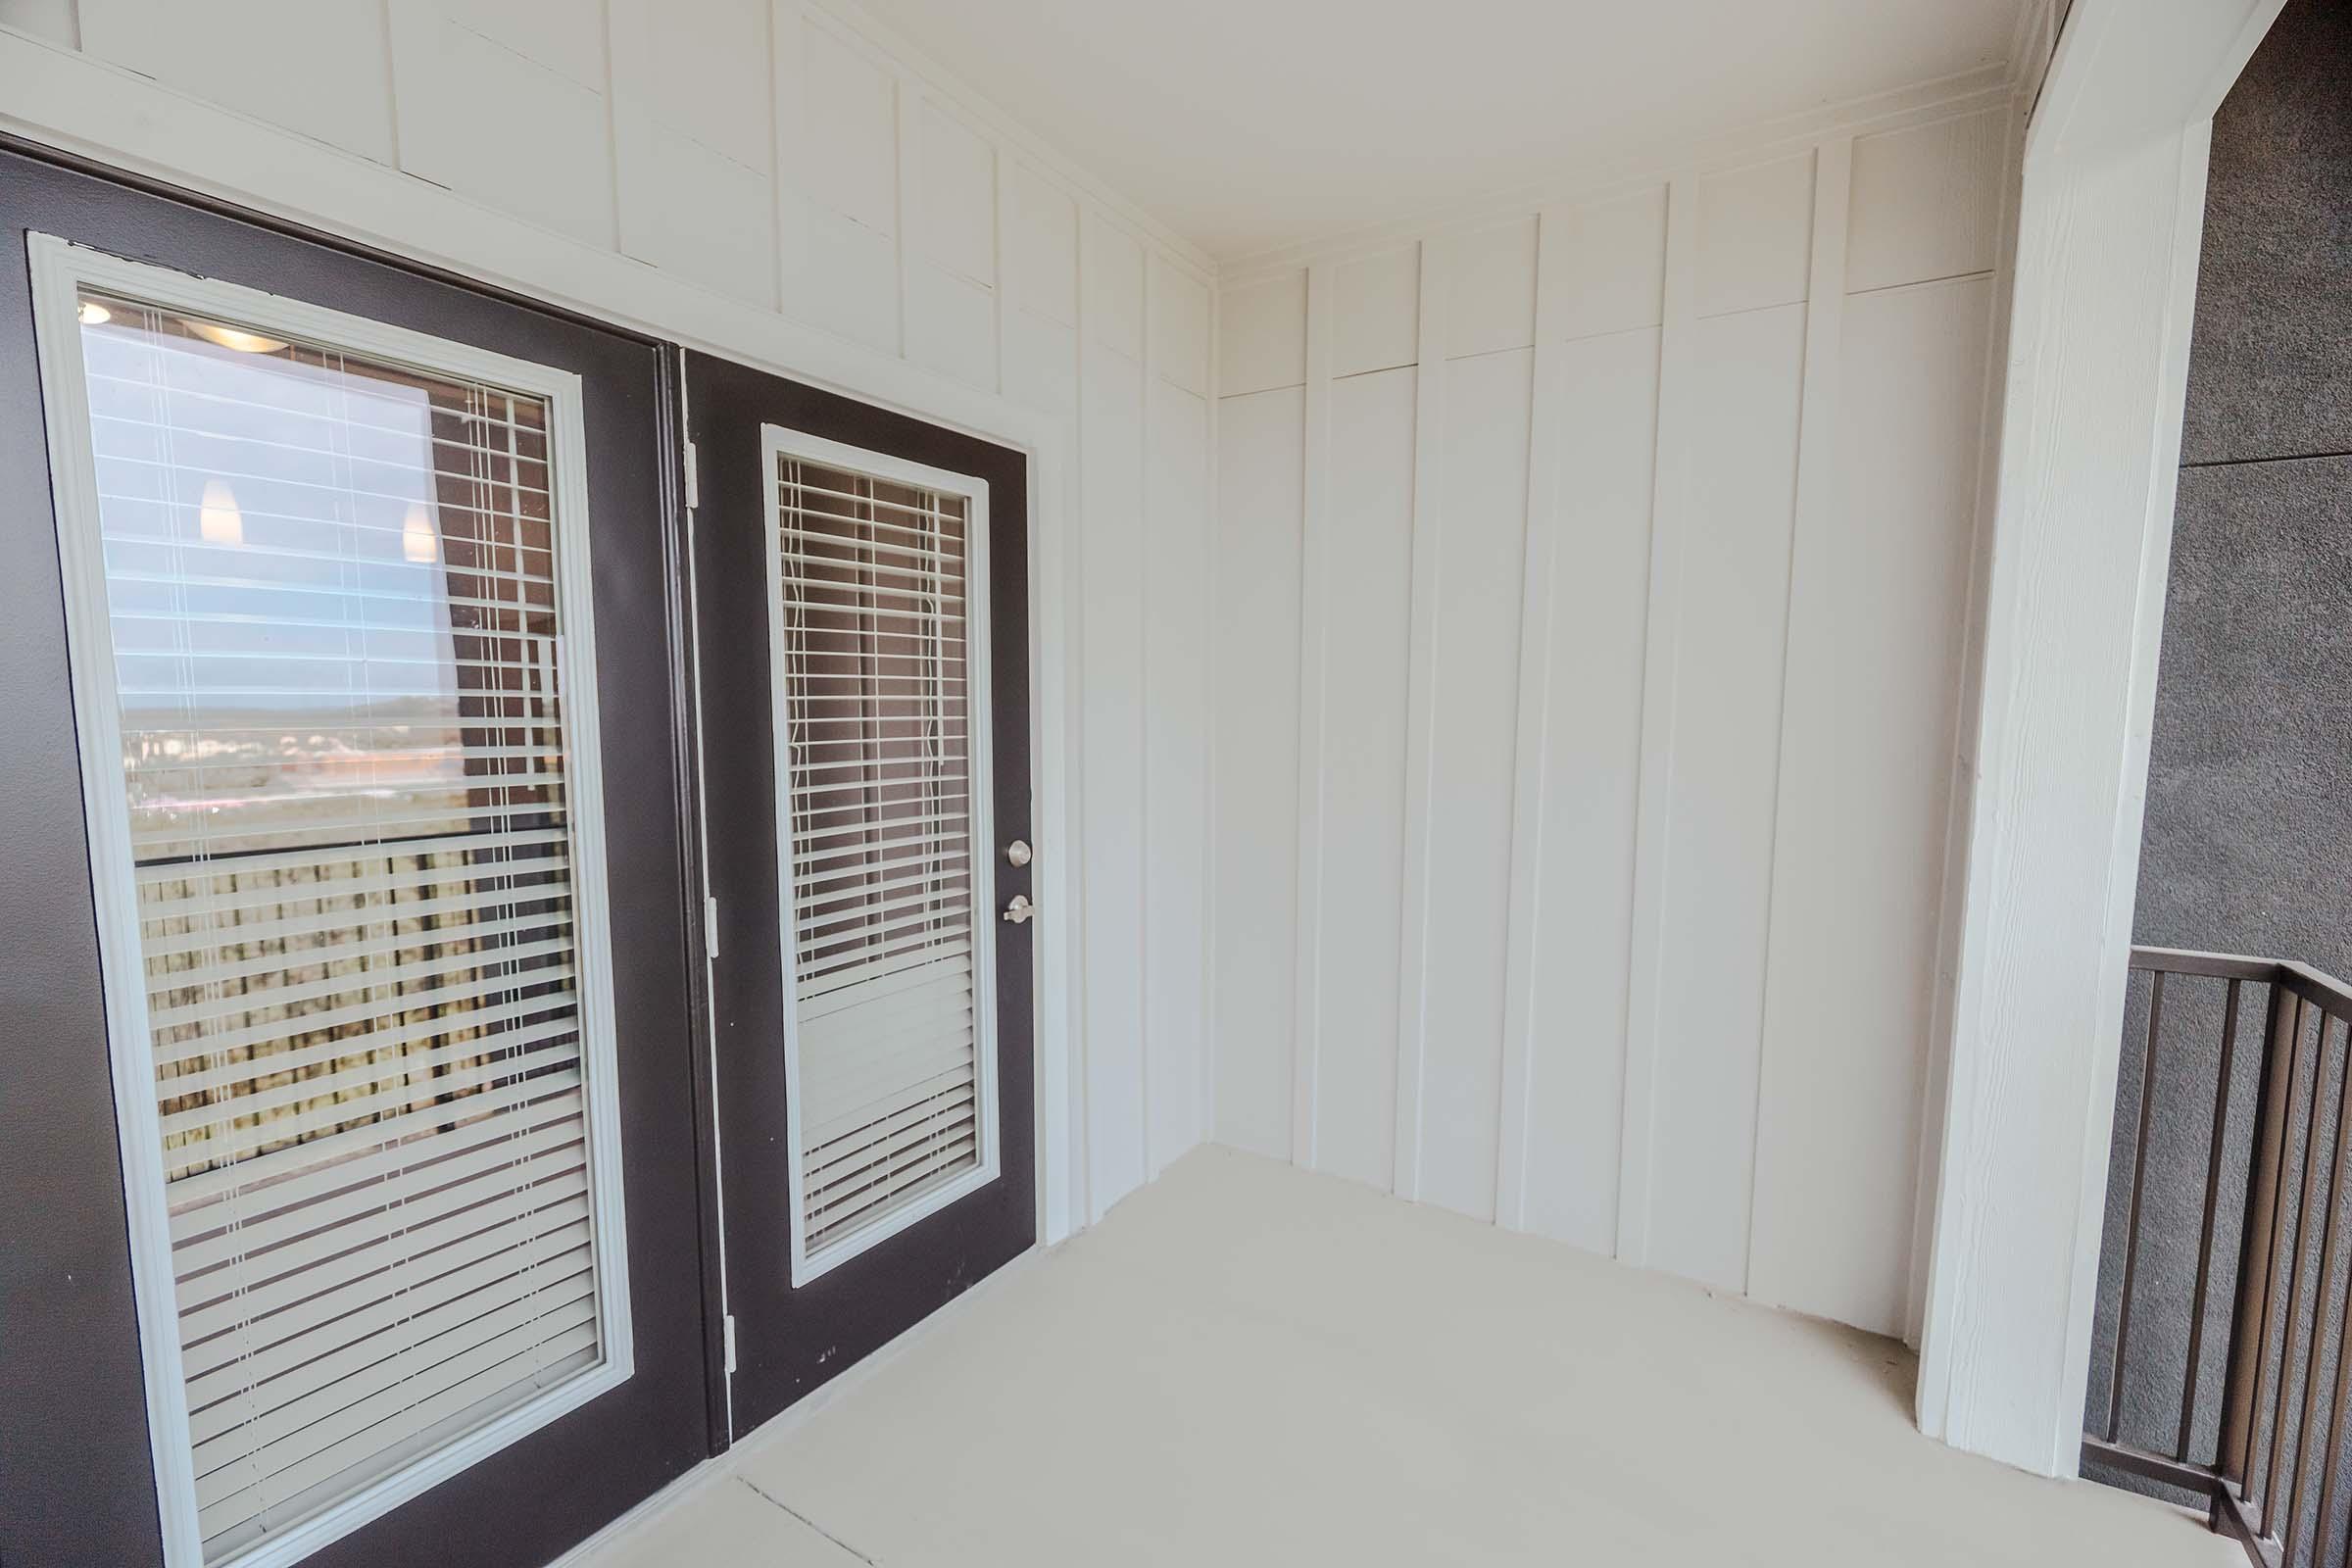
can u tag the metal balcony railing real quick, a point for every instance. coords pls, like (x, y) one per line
(2243, 1247)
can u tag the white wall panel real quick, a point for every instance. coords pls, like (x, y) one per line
(1491, 288)
(1616, 264)
(1753, 1122)
(1874, 678)
(1718, 866)
(849, 151)
(1041, 363)
(1593, 743)
(1178, 307)
(951, 325)
(1262, 336)
(553, 133)
(1110, 280)
(696, 212)
(1755, 235)
(1482, 538)
(1111, 867)
(1376, 315)
(1367, 601)
(1926, 201)
(850, 283)
(1176, 676)
(1260, 494)
(705, 67)
(56, 21)
(955, 197)
(547, 32)
(1041, 247)
(285, 62)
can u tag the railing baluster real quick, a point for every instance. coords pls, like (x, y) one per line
(2213, 1195)
(2258, 1239)
(2139, 1176)
(2327, 1236)
(2294, 1279)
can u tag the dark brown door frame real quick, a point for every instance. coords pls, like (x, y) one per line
(73, 1437)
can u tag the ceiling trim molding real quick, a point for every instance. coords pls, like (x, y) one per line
(1603, 180)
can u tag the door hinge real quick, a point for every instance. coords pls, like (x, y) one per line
(711, 925)
(694, 483)
(730, 1344)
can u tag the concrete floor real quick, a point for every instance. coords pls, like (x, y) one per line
(1248, 1364)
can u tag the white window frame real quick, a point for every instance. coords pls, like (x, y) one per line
(775, 444)
(61, 270)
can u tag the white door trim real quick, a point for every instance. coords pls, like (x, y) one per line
(776, 441)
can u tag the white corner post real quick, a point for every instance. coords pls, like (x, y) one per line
(2108, 232)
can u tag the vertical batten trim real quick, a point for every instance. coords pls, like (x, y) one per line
(1412, 972)
(1808, 613)
(1546, 397)
(1001, 224)
(1660, 674)
(1212, 521)
(907, 97)
(410, 38)
(1082, 1080)
(1313, 619)
(123, 33)
(786, 87)
(628, 120)
(1147, 1165)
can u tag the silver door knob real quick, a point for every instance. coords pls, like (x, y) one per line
(1019, 909)
(1017, 852)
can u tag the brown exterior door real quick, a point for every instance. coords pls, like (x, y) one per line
(862, 614)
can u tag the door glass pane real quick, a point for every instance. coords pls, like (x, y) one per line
(330, 590)
(877, 711)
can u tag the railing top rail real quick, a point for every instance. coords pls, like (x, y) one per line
(2220, 966)
(2321, 989)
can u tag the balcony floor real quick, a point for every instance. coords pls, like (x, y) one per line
(1247, 1365)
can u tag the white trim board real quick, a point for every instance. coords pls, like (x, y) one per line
(60, 271)
(79, 105)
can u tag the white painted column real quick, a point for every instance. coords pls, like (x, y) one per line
(2105, 287)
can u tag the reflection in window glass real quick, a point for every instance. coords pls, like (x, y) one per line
(331, 595)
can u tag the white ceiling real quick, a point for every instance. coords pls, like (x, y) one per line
(1246, 125)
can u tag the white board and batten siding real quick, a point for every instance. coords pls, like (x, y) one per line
(782, 159)
(1592, 589)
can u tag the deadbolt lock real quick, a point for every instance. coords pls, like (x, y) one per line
(1017, 852)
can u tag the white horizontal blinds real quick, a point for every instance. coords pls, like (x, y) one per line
(879, 743)
(332, 604)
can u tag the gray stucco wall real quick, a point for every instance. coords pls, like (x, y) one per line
(2247, 846)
